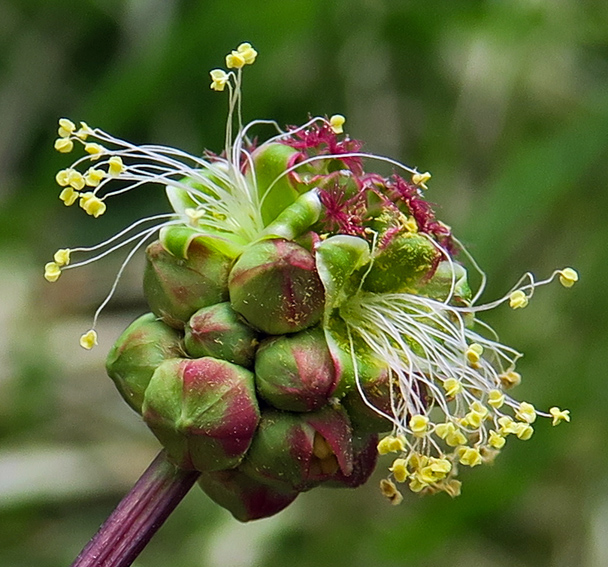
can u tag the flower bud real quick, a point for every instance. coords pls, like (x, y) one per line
(141, 348)
(219, 332)
(299, 451)
(449, 276)
(295, 372)
(401, 263)
(177, 287)
(365, 457)
(203, 411)
(276, 287)
(245, 498)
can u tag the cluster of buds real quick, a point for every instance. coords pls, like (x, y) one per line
(300, 306)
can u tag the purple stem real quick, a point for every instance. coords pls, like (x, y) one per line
(138, 516)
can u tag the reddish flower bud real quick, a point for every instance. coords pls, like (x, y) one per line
(365, 457)
(295, 372)
(141, 348)
(177, 287)
(219, 332)
(276, 287)
(203, 411)
(294, 451)
(245, 498)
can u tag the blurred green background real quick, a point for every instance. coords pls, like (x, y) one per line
(504, 101)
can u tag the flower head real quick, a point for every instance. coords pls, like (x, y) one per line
(335, 289)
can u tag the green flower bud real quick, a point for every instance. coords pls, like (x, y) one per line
(401, 264)
(245, 498)
(203, 411)
(275, 286)
(298, 451)
(141, 348)
(446, 275)
(270, 161)
(177, 287)
(295, 372)
(219, 332)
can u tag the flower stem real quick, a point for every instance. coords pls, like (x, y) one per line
(138, 516)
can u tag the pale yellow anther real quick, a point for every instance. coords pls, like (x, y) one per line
(469, 456)
(336, 122)
(194, 215)
(219, 78)
(456, 438)
(526, 412)
(417, 484)
(92, 204)
(63, 177)
(479, 408)
(410, 224)
(68, 196)
(518, 299)
(390, 444)
(442, 430)
(93, 177)
(496, 398)
(473, 353)
(452, 487)
(507, 425)
(452, 386)
(64, 145)
(83, 132)
(523, 431)
(94, 149)
(88, 340)
(496, 440)
(419, 424)
(76, 180)
(115, 166)
(52, 271)
(420, 179)
(389, 490)
(66, 127)
(247, 52)
(399, 470)
(440, 466)
(235, 60)
(472, 419)
(568, 277)
(417, 460)
(62, 256)
(510, 379)
(559, 415)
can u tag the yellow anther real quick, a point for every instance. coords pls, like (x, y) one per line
(389, 490)
(83, 132)
(496, 440)
(417, 484)
(496, 398)
(420, 179)
(64, 145)
(52, 271)
(68, 196)
(76, 180)
(115, 166)
(390, 444)
(63, 177)
(62, 257)
(472, 419)
(469, 456)
(92, 176)
(526, 412)
(92, 204)
(247, 52)
(417, 460)
(219, 78)
(235, 60)
(559, 415)
(399, 470)
(94, 149)
(336, 122)
(440, 466)
(456, 438)
(507, 425)
(452, 387)
(442, 430)
(523, 431)
(66, 127)
(419, 424)
(568, 277)
(88, 340)
(479, 408)
(510, 379)
(473, 353)
(518, 299)
(410, 224)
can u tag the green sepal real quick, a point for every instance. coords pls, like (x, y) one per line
(176, 240)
